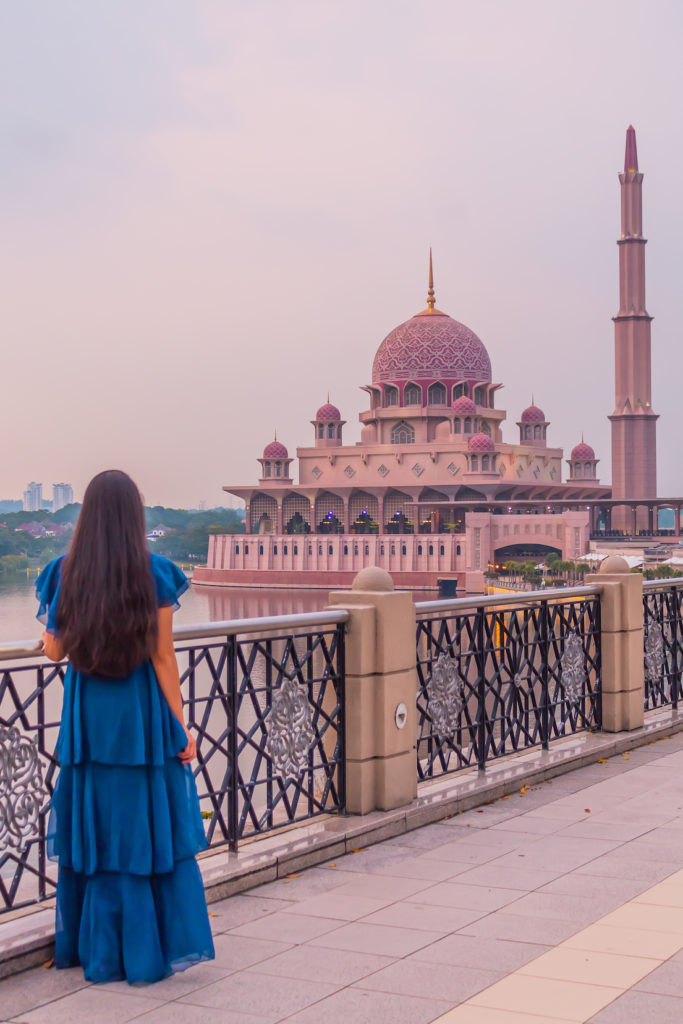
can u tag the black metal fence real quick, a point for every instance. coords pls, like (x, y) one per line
(499, 675)
(662, 643)
(265, 700)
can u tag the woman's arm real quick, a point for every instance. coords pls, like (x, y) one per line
(168, 677)
(52, 647)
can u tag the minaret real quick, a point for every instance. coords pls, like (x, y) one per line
(634, 424)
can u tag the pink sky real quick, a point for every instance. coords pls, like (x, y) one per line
(213, 212)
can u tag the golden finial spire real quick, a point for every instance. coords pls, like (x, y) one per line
(328, 398)
(431, 301)
(532, 398)
(275, 434)
(582, 440)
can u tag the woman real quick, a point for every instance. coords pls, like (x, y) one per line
(125, 823)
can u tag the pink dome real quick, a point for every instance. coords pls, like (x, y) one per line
(464, 406)
(275, 450)
(533, 414)
(328, 412)
(431, 346)
(582, 451)
(481, 443)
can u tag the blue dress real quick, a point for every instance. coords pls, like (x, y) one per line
(124, 824)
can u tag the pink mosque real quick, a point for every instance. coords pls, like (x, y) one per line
(432, 490)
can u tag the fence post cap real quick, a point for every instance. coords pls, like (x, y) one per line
(372, 578)
(614, 564)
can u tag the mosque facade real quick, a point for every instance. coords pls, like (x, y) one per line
(432, 489)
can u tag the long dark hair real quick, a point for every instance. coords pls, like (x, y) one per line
(106, 616)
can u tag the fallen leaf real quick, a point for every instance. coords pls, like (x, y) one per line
(331, 865)
(293, 876)
(479, 810)
(602, 760)
(50, 962)
(506, 797)
(211, 914)
(587, 810)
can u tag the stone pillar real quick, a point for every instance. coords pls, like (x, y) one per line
(279, 526)
(677, 521)
(381, 683)
(621, 615)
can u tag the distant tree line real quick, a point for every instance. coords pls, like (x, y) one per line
(185, 539)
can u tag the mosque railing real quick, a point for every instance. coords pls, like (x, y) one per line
(663, 643)
(504, 673)
(265, 700)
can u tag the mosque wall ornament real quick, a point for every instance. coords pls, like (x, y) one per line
(290, 730)
(22, 790)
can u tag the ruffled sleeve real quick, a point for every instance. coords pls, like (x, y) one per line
(170, 582)
(47, 594)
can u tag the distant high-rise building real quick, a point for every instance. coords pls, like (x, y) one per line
(33, 497)
(62, 494)
(202, 506)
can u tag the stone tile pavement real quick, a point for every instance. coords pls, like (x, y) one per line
(561, 904)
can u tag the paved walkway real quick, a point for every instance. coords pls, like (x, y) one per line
(486, 918)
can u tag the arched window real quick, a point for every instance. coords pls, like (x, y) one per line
(480, 396)
(331, 429)
(274, 549)
(431, 549)
(321, 430)
(403, 433)
(485, 463)
(577, 469)
(527, 433)
(587, 469)
(457, 549)
(266, 469)
(260, 549)
(278, 469)
(367, 550)
(346, 549)
(437, 394)
(537, 432)
(474, 463)
(339, 431)
(458, 390)
(296, 549)
(456, 425)
(419, 549)
(285, 549)
(485, 428)
(403, 549)
(412, 395)
(237, 549)
(246, 549)
(468, 425)
(390, 395)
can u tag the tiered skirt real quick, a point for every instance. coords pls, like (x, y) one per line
(125, 828)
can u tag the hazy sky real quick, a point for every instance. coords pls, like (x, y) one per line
(213, 212)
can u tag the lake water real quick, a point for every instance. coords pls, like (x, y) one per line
(18, 606)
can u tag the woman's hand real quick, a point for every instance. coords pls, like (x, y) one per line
(190, 751)
(52, 647)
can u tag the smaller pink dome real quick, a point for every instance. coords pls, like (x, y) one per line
(464, 406)
(481, 443)
(582, 451)
(328, 412)
(533, 414)
(275, 450)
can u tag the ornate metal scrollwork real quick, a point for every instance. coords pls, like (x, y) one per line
(573, 668)
(654, 653)
(445, 696)
(290, 730)
(22, 791)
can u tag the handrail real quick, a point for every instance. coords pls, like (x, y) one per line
(675, 581)
(229, 627)
(458, 604)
